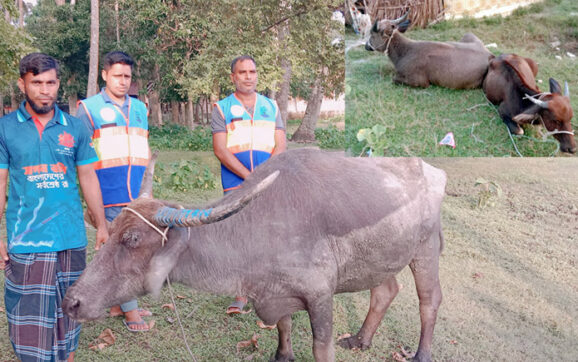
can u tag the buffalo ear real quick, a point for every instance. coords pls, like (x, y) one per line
(403, 26)
(555, 86)
(528, 115)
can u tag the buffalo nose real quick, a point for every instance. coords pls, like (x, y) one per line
(368, 47)
(70, 306)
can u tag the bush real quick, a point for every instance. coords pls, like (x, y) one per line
(183, 176)
(330, 138)
(176, 137)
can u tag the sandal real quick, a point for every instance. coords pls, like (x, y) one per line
(140, 323)
(141, 312)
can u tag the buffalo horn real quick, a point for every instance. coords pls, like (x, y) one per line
(168, 216)
(538, 102)
(401, 18)
(566, 90)
(146, 188)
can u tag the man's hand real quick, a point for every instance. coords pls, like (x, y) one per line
(3, 256)
(101, 237)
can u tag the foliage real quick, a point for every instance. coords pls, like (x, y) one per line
(176, 137)
(490, 190)
(64, 33)
(14, 44)
(374, 139)
(183, 176)
(330, 138)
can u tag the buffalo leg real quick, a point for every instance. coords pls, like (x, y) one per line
(284, 349)
(321, 317)
(512, 126)
(425, 273)
(381, 298)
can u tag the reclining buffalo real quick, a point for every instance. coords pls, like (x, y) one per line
(328, 224)
(457, 65)
(511, 84)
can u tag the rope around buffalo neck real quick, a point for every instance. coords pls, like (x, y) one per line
(163, 240)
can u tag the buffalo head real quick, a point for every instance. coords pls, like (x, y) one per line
(556, 114)
(144, 230)
(382, 31)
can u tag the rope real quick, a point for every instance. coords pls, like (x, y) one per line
(164, 235)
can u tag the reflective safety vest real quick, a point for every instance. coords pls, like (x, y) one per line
(250, 137)
(122, 148)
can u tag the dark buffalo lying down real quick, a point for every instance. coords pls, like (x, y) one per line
(457, 65)
(328, 224)
(511, 84)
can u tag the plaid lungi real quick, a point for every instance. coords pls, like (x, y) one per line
(35, 287)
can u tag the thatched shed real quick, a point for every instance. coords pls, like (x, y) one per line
(425, 12)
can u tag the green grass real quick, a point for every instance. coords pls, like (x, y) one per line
(417, 119)
(521, 308)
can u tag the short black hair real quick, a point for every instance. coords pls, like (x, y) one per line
(37, 63)
(240, 58)
(117, 57)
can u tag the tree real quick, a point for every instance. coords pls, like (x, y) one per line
(92, 86)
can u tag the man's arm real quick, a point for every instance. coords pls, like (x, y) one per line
(91, 191)
(3, 182)
(226, 157)
(280, 142)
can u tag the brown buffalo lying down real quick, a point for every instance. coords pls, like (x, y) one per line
(328, 224)
(457, 65)
(511, 84)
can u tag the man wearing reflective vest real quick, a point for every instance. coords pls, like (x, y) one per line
(247, 131)
(119, 129)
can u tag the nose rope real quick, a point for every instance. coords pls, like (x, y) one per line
(386, 52)
(164, 235)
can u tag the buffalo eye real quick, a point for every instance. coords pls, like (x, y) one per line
(130, 239)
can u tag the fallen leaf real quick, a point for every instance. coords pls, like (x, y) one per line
(151, 324)
(170, 320)
(251, 342)
(265, 326)
(107, 336)
(97, 347)
(398, 357)
(453, 341)
(168, 306)
(181, 297)
(477, 275)
(343, 336)
(1, 310)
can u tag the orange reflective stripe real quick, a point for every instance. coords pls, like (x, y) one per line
(120, 130)
(122, 161)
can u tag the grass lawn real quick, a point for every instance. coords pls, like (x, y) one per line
(416, 119)
(508, 274)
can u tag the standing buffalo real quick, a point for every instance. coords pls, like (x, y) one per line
(328, 224)
(511, 84)
(457, 65)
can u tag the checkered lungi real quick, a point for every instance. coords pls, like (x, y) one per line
(35, 287)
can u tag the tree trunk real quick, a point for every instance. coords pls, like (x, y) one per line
(20, 13)
(175, 112)
(189, 112)
(60, 2)
(1, 104)
(306, 130)
(285, 88)
(13, 99)
(91, 88)
(116, 23)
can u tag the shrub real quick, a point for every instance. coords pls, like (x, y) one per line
(330, 138)
(176, 137)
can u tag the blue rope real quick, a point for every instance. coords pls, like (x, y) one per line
(175, 217)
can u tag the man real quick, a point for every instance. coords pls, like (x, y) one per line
(247, 131)
(119, 128)
(43, 150)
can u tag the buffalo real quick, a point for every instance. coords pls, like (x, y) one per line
(457, 65)
(327, 224)
(511, 84)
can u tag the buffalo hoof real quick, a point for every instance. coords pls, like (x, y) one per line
(282, 358)
(353, 342)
